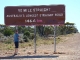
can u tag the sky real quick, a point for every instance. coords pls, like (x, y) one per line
(72, 7)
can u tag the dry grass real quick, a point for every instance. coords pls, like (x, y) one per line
(4, 46)
(39, 41)
(67, 35)
(26, 44)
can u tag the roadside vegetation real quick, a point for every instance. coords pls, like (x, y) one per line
(44, 35)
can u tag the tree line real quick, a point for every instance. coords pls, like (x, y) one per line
(42, 31)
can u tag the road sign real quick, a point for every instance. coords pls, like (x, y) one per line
(34, 15)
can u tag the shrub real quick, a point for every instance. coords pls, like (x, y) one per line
(27, 33)
(7, 32)
(25, 38)
(32, 36)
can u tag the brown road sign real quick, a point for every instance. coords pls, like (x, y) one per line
(34, 15)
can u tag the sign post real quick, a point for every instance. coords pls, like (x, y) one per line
(16, 28)
(54, 38)
(35, 39)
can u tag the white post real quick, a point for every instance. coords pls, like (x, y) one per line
(54, 38)
(35, 39)
(16, 27)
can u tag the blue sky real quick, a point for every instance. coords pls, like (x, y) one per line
(72, 8)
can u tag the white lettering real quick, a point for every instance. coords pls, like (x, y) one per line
(58, 14)
(13, 15)
(31, 15)
(35, 10)
(7, 16)
(30, 20)
(47, 15)
(27, 21)
(34, 20)
(24, 10)
(27, 10)
(19, 10)
(41, 9)
(30, 10)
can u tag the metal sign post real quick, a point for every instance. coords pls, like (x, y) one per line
(54, 39)
(16, 27)
(35, 39)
